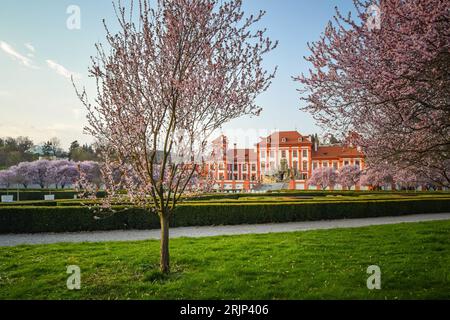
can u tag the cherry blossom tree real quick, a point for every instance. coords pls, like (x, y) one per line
(407, 179)
(7, 178)
(324, 177)
(388, 83)
(67, 175)
(22, 174)
(377, 178)
(40, 173)
(170, 78)
(91, 172)
(348, 176)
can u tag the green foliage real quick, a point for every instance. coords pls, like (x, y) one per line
(38, 195)
(71, 219)
(15, 150)
(82, 153)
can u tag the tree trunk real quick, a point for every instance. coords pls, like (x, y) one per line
(165, 259)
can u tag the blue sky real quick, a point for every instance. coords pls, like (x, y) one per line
(38, 52)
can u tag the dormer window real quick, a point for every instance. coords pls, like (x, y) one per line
(268, 140)
(300, 139)
(283, 140)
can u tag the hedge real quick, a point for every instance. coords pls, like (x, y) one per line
(75, 219)
(36, 195)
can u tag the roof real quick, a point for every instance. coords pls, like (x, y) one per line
(285, 138)
(335, 152)
(242, 155)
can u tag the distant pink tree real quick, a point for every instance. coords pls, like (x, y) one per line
(407, 179)
(388, 81)
(90, 170)
(39, 172)
(7, 178)
(376, 177)
(171, 77)
(22, 174)
(67, 174)
(348, 176)
(324, 177)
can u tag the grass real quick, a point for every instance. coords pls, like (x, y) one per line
(328, 264)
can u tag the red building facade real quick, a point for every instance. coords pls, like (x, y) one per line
(286, 151)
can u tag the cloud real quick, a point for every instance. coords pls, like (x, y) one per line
(30, 47)
(31, 50)
(61, 70)
(9, 50)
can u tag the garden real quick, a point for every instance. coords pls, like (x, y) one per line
(66, 214)
(330, 264)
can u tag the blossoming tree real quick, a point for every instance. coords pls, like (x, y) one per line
(348, 176)
(166, 81)
(325, 177)
(387, 81)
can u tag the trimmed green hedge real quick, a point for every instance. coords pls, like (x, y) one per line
(36, 195)
(74, 219)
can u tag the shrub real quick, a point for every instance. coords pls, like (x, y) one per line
(72, 219)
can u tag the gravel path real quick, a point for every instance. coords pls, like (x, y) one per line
(198, 232)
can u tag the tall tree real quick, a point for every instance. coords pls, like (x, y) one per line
(387, 81)
(171, 77)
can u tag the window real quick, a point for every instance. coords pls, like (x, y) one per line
(268, 140)
(335, 165)
(212, 167)
(283, 140)
(244, 176)
(263, 154)
(305, 166)
(295, 154)
(221, 166)
(253, 167)
(283, 154)
(272, 154)
(325, 164)
(235, 176)
(358, 163)
(295, 165)
(253, 177)
(263, 165)
(315, 165)
(221, 176)
(272, 165)
(346, 163)
(305, 153)
(300, 139)
(244, 168)
(304, 176)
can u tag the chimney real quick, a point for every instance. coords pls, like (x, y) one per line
(316, 145)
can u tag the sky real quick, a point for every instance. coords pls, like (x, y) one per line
(40, 51)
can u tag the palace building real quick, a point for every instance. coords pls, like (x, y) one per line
(283, 156)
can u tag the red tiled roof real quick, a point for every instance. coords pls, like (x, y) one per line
(285, 138)
(242, 155)
(335, 152)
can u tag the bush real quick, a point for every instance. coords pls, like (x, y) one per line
(36, 195)
(74, 219)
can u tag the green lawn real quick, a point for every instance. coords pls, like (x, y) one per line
(329, 264)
